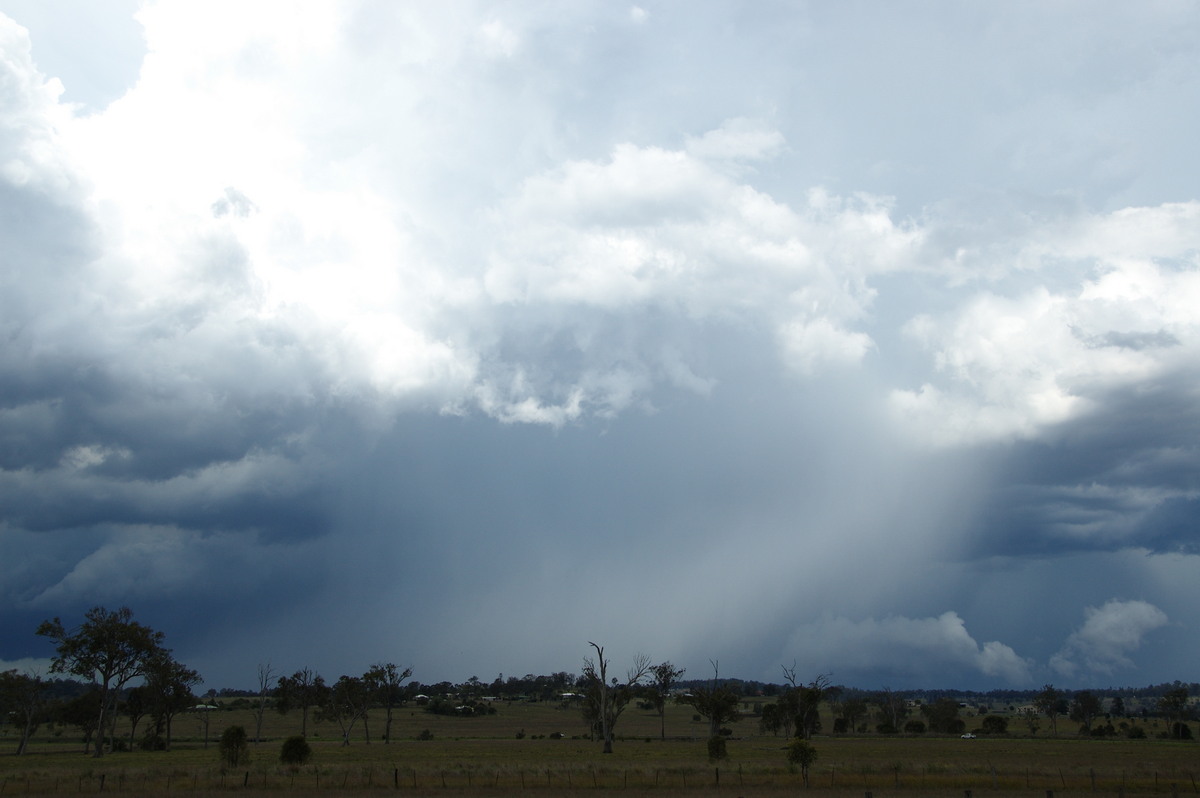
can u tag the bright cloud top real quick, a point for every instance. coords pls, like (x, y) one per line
(286, 294)
(918, 646)
(1109, 634)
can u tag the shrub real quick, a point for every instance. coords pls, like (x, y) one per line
(295, 751)
(886, 728)
(233, 747)
(915, 727)
(716, 749)
(152, 742)
(1137, 733)
(1181, 731)
(994, 724)
(425, 734)
(840, 726)
(801, 752)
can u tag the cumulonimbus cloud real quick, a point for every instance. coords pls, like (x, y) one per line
(1109, 634)
(917, 647)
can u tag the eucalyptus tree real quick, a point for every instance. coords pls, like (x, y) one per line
(385, 681)
(169, 691)
(266, 676)
(23, 702)
(717, 703)
(345, 703)
(302, 690)
(110, 648)
(663, 678)
(1049, 701)
(804, 700)
(604, 701)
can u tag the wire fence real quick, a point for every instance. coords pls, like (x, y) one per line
(870, 782)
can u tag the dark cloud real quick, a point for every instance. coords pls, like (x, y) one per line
(486, 337)
(1124, 476)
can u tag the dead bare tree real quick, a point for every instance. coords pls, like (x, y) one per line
(604, 701)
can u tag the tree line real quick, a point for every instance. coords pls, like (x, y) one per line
(130, 672)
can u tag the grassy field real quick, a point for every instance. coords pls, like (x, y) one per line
(485, 756)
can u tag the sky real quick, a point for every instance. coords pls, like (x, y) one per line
(857, 337)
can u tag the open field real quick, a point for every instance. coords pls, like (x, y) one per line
(483, 756)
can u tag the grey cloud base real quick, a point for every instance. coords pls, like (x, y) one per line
(475, 326)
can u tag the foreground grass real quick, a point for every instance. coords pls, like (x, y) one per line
(485, 756)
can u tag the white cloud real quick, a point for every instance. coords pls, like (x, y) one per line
(908, 646)
(1011, 365)
(738, 139)
(1108, 635)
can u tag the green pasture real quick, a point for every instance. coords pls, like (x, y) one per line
(486, 755)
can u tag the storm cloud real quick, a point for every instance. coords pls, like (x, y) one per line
(861, 339)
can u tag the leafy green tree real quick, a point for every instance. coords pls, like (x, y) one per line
(663, 678)
(234, 747)
(771, 719)
(295, 751)
(135, 707)
(385, 681)
(1049, 702)
(83, 712)
(718, 704)
(168, 692)
(943, 716)
(853, 709)
(604, 702)
(345, 704)
(804, 701)
(891, 708)
(801, 753)
(1173, 706)
(110, 648)
(302, 690)
(994, 724)
(1085, 708)
(717, 749)
(23, 702)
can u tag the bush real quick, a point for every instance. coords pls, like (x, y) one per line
(1137, 733)
(716, 749)
(994, 724)
(233, 747)
(840, 726)
(886, 728)
(295, 751)
(1181, 731)
(801, 752)
(914, 727)
(425, 734)
(152, 742)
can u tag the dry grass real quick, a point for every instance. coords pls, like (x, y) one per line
(483, 756)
